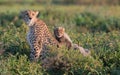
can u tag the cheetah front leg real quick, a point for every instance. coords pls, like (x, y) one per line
(35, 50)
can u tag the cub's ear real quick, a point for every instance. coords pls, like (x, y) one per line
(63, 29)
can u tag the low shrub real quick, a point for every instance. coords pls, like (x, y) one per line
(62, 61)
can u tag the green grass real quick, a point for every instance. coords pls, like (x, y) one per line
(93, 27)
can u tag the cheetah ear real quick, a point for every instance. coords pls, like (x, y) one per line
(36, 13)
(28, 11)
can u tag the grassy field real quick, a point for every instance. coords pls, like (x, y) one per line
(96, 28)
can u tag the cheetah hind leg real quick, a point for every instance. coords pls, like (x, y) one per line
(35, 53)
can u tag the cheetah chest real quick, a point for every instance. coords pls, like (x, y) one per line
(30, 38)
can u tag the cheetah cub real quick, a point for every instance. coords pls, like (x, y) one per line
(63, 38)
(38, 37)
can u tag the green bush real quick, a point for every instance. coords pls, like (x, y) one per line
(10, 18)
(62, 61)
(19, 65)
(95, 22)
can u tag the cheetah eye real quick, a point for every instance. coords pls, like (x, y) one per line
(32, 14)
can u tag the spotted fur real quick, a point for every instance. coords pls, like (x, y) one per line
(38, 37)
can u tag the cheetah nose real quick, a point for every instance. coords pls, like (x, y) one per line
(30, 18)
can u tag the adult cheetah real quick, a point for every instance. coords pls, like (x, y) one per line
(38, 37)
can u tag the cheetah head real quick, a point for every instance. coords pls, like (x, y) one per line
(29, 16)
(59, 32)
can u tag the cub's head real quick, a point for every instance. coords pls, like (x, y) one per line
(59, 32)
(29, 16)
